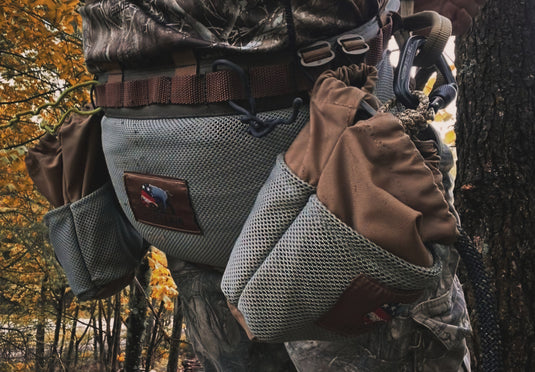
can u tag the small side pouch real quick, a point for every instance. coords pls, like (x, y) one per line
(95, 244)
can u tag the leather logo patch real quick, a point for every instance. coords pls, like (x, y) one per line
(161, 201)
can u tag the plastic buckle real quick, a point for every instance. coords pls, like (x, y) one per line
(353, 44)
(317, 54)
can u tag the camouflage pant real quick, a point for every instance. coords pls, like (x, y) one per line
(218, 340)
(428, 335)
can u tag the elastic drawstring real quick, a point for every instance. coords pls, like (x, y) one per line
(257, 127)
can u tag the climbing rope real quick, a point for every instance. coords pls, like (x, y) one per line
(486, 306)
(413, 120)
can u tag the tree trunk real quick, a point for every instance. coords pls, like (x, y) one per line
(72, 339)
(97, 332)
(102, 335)
(496, 176)
(137, 318)
(174, 348)
(40, 333)
(107, 353)
(153, 343)
(54, 356)
(116, 332)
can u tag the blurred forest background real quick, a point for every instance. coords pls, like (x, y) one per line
(43, 327)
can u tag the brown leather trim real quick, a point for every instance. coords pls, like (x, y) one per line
(364, 295)
(161, 201)
(241, 320)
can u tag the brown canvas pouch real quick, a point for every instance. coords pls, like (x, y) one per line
(69, 165)
(92, 239)
(295, 175)
(334, 101)
(377, 182)
(366, 232)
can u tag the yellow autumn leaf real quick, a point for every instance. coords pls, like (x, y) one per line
(449, 138)
(169, 305)
(443, 115)
(429, 85)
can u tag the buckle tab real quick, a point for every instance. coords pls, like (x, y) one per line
(316, 54)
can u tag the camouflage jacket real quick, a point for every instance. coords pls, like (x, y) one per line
(145, 33)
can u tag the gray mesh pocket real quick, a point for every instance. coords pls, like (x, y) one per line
(95, 244)
(308, 270)
(278, 203)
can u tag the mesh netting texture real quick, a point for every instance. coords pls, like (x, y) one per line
(93, 241)
(310, 267)
(278, 203)
(224, 167)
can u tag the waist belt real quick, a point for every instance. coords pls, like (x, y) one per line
(212, 87)
(265, 80)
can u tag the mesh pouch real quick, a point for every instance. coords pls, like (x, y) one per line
(277, 205)
(222, 165)
(308, 271)
(95, 244)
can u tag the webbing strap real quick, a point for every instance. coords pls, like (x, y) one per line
(436, 39)
(406, 8)
(224, 85)
(219, 86)
(377, 45)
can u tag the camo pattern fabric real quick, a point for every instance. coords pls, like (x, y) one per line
(144, 33)
(429, 336)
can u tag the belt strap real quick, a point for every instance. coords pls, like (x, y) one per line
(212, 87)
(225, 85)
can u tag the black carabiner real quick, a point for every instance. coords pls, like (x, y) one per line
(441, 96)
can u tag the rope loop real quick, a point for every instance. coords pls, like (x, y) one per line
(412, 120)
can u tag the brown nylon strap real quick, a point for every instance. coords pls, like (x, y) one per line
(159, 90)
(377, 44)
(219, 86)
(438, 35)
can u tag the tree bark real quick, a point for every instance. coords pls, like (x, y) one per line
(174, 347)
(137, 319)
(54, 356)
(153, 343)
(116, 332)
(495, 181)
(40, 333)
(72, 339)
